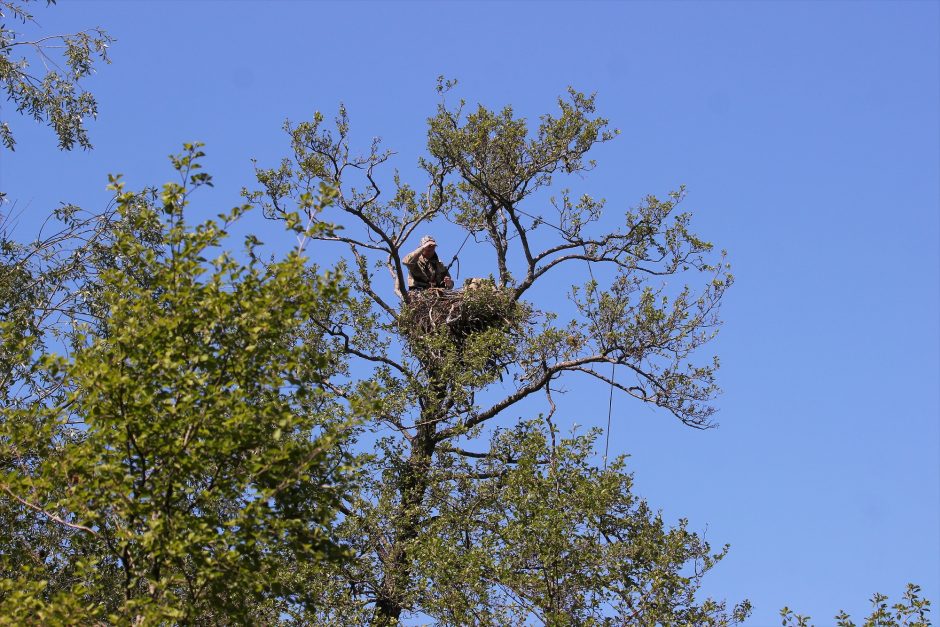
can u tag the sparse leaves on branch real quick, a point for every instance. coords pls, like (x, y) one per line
(42, 74)
(911, 611)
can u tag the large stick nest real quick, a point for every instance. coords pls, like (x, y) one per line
(477, 307)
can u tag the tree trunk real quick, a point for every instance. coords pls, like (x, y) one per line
(412, 487)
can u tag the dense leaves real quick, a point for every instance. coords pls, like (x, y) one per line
(538, 531)
(189, 452)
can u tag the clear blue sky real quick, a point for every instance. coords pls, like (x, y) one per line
(808, 137)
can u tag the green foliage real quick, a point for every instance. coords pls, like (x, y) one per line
(911, 611)
(493, 151)
(536, 530)
(188, 455)
(51, 282)
(54, 96)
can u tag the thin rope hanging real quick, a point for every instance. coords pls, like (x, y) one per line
(613, 365)
(610, 407)
(469, 233)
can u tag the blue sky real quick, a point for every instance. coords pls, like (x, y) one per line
(808, 137)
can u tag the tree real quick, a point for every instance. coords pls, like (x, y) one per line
(188, 452)
(55, 95)
(910, 612)
(526, 528)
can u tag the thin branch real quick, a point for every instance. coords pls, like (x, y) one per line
(521, 393)
(367, 282)
(352, 351)
(48, 514)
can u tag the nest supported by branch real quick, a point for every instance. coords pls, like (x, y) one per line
(477, 307)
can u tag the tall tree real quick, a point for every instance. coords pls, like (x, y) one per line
(187, 452)
(517, 525)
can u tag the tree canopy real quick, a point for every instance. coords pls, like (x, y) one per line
(186, 452)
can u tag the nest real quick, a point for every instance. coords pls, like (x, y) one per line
(479, 306)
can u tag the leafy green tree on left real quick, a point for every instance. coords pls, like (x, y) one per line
(42, 74)
(188, 454)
